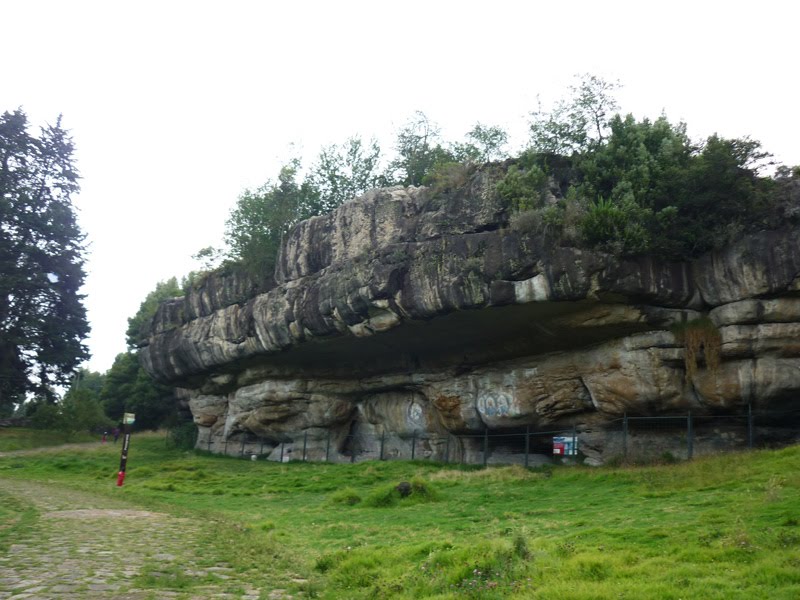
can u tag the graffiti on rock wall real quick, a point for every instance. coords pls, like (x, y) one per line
(495, 404)
(415, 413)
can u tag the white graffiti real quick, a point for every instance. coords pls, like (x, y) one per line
(497, 404)
(415, 412)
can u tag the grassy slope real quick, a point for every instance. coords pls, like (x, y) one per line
(18, 438)
(721, 527)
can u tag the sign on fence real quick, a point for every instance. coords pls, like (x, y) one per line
(565, 445)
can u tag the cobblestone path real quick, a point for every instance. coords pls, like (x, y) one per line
(84, 546)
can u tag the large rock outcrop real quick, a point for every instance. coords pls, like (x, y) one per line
(407, 315)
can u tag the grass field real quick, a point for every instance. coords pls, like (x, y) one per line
(17, 438)
(719, 527)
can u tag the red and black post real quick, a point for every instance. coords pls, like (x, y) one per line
(127, 421)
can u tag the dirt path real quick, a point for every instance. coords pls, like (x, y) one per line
(90, 547)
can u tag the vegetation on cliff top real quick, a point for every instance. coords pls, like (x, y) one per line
(590, 177)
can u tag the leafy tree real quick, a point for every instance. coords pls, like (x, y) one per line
(147, 309)
(82, 411)
(485, 143)
(344, 172)
(720, 197)
(577, 123)
(79, 410)
(635, 187)
(42, 318)
(90, 380)
(687, 199)
(210, 258)
(128, 388)
(646, 158)
(257, 223)
(419, 150)
(787, 196)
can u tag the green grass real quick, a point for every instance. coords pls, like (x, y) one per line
(20, 438)
(718, 527)
(14, 517)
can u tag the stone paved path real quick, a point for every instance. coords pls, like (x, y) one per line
(85, 546)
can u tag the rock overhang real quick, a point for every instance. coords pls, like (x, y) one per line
(395, 294)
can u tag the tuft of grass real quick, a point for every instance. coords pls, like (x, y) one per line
(346, 496)
(388, 495)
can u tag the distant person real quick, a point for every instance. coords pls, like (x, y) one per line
(105, 435)
(115, 433)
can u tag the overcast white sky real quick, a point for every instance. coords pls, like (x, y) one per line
(177, 106)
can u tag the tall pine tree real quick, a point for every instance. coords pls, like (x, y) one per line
(42, 318)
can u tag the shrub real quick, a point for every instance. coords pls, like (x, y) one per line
(447, 177)
(523, 188)
(183, 436)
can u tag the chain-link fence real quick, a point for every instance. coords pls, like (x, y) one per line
(630, 438)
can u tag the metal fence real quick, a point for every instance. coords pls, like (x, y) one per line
(630, 438)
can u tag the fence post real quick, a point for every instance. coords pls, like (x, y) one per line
(352, 449)
(383, 441)
(485, 446)
(750, 426)
(328, 446)
(689, 437)
(305, 444)
(241, 450)
(575, 441)
(447, 450)
(209, 440)
(261, 449)
(225, 449)
(282, 444)
(413, 444)
(527, 443)
(625, 435)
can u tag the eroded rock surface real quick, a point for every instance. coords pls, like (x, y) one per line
(403, 316)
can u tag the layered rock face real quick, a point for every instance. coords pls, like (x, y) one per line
(407, 315)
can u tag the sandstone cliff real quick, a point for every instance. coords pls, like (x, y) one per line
(408, 314)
